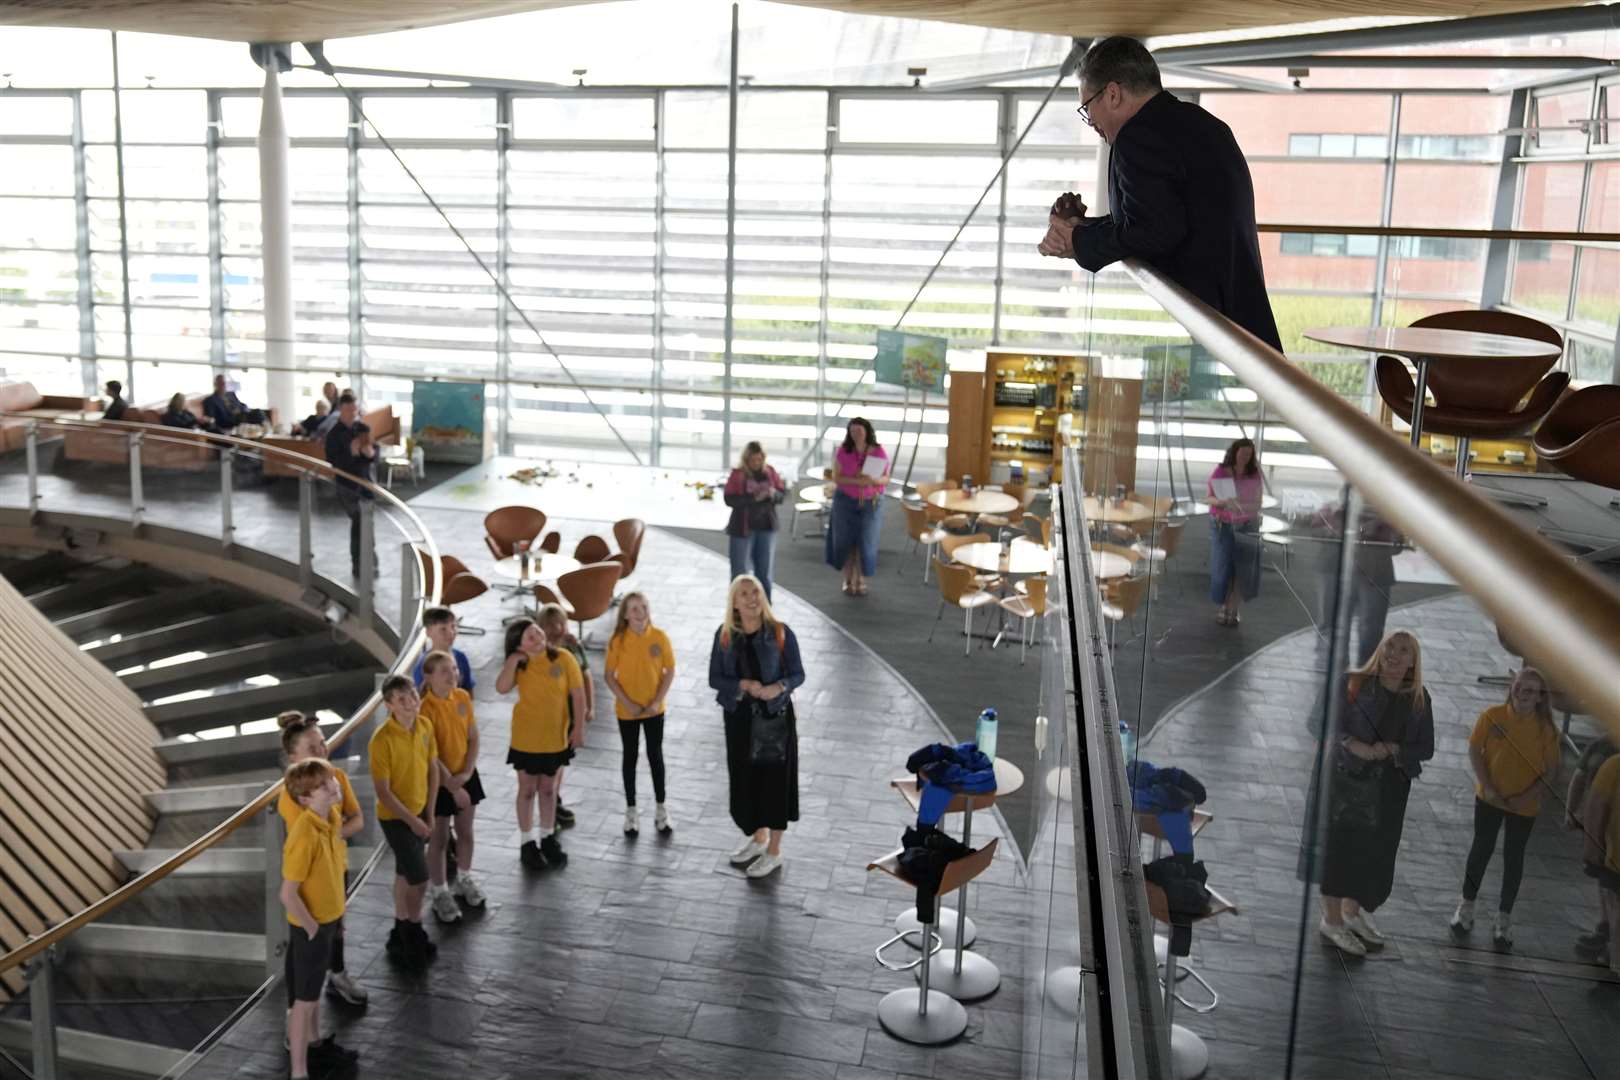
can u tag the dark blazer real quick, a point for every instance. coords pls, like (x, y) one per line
(1181, 199)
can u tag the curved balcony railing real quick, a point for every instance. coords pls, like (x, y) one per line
(166, 480)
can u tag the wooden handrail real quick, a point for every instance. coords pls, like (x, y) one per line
(212, 838)
(1466, 234)
(1566, 615)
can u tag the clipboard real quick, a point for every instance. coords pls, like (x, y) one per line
(874, 467)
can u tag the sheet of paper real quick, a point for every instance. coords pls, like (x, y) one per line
(874, 467)
(1224, 487)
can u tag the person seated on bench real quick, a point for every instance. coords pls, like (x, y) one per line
(226, 410)
(115, 407)
(311, 425)
(179, 416)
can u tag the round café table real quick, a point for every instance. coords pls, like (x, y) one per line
(1024, 558)
(543, 566)
(1426, 346)
(980, 502)
(1125, 513)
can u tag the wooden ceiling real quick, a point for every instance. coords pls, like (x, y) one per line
(318, 20)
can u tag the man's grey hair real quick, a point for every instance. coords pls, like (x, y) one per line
(1122, 60)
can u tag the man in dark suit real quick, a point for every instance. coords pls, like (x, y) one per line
(350, 450)
(1180, 196)
(226, 410)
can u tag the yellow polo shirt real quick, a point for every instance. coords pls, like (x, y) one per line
(540, 717)
(452, 719)
(1606, 785)
(314, 856)
(1519, 752)
(289, 809)
(639, 661)
(402, 758)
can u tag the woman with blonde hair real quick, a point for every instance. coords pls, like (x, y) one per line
(754, 668)
(1514, 751)
(1385, 733)
(638, 670)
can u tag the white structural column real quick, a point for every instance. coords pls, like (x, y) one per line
(275, 223)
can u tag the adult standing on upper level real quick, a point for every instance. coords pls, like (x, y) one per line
(349, 450)
(1180, 195)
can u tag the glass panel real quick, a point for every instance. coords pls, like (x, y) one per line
(28, 115)
(623, 119)
(888, 121)
(1318, 193)
(177, 228)
(1541, 277)
(1608, 132)
(149, 172)
(36, 170)
(1603, 198)
(38, 223)
(1597, 298)
(1591, 361)
(1452, 127)
(1560, 117)
(166, 116)
(1302, 125)
(1550, 196)
(438, 116)
(306, 117)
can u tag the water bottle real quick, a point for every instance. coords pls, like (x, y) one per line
(985, 734)
(1127, 741)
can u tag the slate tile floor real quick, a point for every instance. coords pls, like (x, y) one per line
(1426, 1006)
(654, 957)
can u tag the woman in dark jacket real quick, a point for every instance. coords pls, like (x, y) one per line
(178, 416)
(753, 491)
(754, 668)
(1385, 733)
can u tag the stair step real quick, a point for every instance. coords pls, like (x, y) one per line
(119, 939)
(227, 797)
(190, 629)
(215, 862)
(49, 566)
(91, 591)
(251, 703)
(123, 1056)
(228, 665)
(175, 601)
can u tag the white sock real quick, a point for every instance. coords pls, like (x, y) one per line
(531, 836)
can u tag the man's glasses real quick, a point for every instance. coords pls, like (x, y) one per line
(1085, 106)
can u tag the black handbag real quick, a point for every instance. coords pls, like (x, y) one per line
(1354, 799)
(768, 735)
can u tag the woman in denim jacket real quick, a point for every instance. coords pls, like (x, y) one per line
(754, 666)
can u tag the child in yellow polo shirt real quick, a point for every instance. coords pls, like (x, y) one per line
(548, 684)
(301, 740)
(1514, 750)
(1600, 819)
(450, 709)
(312, 862)
(405, 769)
(639, 668)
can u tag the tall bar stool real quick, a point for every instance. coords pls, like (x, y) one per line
(1188, 1054)
(920, 1014)
(1009, 778)
(1147, 824)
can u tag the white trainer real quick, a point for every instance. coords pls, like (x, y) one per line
(341, 984)
(764, 866)
(1462, 920)
(751, 849)
(1341, 936)
(1502, 932)
(445, 908)
(1362, 926)
(661, 820)
(468, 889)
(632, 822)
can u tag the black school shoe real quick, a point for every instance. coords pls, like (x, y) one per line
(531, 858)
(552, 850)
(329, 1052)
(405, 948)
(565, 816)
(429, 947)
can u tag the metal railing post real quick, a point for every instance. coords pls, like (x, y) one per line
(275, 919)
(306, 517)
(137, 497)
(368, 561)
(227, 466)
(408, 589)
(33, 468)
(42, 1013)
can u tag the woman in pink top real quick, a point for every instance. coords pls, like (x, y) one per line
(857, 506)
(1234, 538)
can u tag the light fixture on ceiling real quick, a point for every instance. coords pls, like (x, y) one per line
(916, 74)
